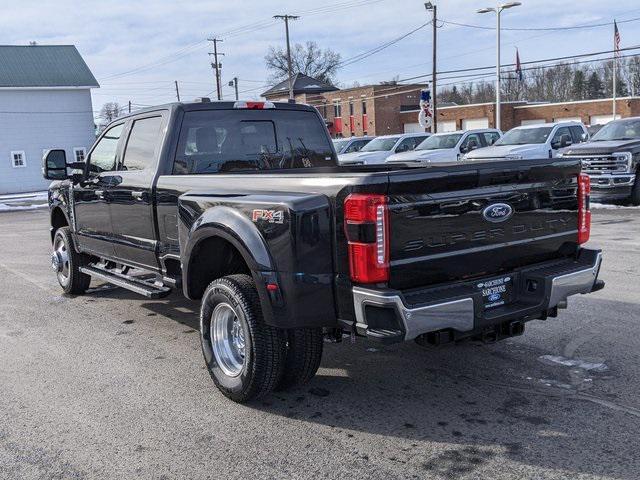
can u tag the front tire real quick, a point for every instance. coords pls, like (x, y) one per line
(66, 262)
(245, 356)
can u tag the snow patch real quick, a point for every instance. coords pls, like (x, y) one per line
(574, 362)
(610, 206)
(14, 208)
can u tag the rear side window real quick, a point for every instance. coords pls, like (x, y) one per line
(576, 134)
(141, 147)
(491, 137)
(221, 141)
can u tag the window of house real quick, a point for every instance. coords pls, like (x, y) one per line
(79, 154)
(351, 107)
(337, 110)
(141, 147)
(364, 107)
(18, 159)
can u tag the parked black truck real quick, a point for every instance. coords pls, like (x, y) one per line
(612, 161)
(243, 205)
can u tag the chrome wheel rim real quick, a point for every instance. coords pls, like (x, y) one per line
(60, 260)
(227, 339)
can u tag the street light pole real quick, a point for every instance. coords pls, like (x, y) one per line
(498, 10)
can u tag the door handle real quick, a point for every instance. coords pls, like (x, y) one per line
(138, 196)
(100, 194)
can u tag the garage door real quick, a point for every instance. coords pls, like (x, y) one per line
(535, 121)
(446, 126)
(470, 123)
(413, 128)
(567, 119)
(602, 119)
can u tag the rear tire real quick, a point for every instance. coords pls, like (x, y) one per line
(245, 356)
(66, 262)
(304, 354)
(635, 192)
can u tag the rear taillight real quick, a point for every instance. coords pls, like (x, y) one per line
(366, 223)
(584, 212)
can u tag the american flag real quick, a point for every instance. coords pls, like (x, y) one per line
(616, 40)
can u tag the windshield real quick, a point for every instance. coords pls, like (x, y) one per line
(434, 142)
(380, 144)
(619, 130)
(523, 136)
(340, 144)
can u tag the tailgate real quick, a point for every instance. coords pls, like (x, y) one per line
(476, 219)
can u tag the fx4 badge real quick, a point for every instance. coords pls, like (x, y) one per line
(271, 216)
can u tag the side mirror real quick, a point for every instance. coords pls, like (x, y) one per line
(565, 140)
(464, 148)
(472, 145)
(584, 137)
(54, 165)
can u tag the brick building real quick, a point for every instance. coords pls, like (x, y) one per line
(482, 115)
(367, 110)
(390, 109)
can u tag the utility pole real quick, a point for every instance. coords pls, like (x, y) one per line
(234, 83)
(286, 19)
(177, 90)
(216, 65)
(129, 106)
(433, 8)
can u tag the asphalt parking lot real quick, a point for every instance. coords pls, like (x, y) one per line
(112, 385)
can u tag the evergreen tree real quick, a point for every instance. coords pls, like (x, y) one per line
(595, 88)
(579, 85)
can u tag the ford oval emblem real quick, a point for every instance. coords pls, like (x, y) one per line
(494, 297)
(497, 212)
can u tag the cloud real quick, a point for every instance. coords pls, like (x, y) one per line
(118, 36)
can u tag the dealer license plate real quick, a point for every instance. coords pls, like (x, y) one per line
(496, 291)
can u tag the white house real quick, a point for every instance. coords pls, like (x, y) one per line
(45, 102)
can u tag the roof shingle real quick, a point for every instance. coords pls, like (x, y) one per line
(43, 66)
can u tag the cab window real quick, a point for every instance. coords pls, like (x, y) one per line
(103, 156)
(141, 146)
(220, 141)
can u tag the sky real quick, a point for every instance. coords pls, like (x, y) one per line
(137, 49)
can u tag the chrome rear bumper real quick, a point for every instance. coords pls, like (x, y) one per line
(555, 282)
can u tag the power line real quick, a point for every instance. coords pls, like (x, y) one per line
(379, 48)
(540, 29)
(567, 57)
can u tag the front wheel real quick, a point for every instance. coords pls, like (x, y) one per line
(66, 262)
(245, 357)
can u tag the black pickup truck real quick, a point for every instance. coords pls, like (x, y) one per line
(612, 161)
(243, 205)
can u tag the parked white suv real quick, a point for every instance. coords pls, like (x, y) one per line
(447, 147)
(378, 149)
(545, 140)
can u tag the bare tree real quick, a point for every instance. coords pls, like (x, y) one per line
(309, 59)
(109, 112)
